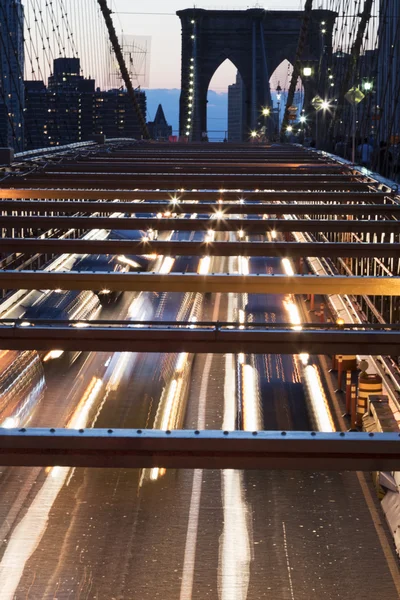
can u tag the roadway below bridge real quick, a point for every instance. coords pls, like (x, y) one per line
(188, 534)
(202, 534)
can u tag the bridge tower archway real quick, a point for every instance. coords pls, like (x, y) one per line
(256, 41)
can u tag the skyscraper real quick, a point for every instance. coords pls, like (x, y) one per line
(236, 110)
(12, 74)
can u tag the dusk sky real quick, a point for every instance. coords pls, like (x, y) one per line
(163, 26)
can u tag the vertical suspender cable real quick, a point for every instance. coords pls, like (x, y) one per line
(254, 80)
(121, 62)
(297, 63)
(354, 57)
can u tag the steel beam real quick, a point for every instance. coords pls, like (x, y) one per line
(127, 448)
(198, 340)
(145, 194)
(168, 224)
(128, 182)
(132, 247)
(190, 282)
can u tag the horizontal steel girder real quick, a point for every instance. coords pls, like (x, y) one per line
(127, 448)
(167, 224)
(198, 340)
(126, 195)
(230, 176)
(131, 247)
(119, 182)
(191, 282)
(253, 208)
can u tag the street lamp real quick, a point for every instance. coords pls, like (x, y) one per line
(265, 113)
(307, 71)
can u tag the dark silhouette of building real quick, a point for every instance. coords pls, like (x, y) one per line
(236, 110)
(11, 74)
(114, 115)
(159, 128)
(71, 110)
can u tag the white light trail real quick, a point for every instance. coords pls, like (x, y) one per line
(53, 354)
(251, 415)
(28, 533)
(235, 552)
(287, 265)
(167, 265)
(204, 265)
(294, 315)
(318, 400)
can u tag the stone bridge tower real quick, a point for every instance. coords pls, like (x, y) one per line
(256, 41)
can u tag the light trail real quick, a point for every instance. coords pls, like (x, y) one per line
(251, 413)
(189, 559)
(234, 547)
(28, 533)
(318, 400)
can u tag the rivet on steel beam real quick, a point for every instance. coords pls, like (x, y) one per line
(197, 432)
(139, 431)
(342, 434)
(110, 431)
(255, 432)
(226, 432)
(371, 435)
(81, 431)
(283, 432)
(313, 433)
(168, 432)
(52, 430)
(22, 430)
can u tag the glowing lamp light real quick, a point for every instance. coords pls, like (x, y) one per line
(302, 119)
(367, 86)
(325, 105)
(266, 111)
(307, 71)
(253, 134)
(340, 322)
(240, 233)
(289, 128)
